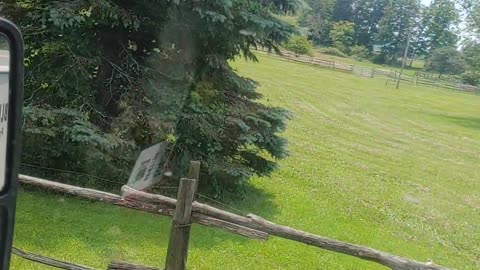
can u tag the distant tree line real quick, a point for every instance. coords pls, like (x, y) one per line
(382, 29)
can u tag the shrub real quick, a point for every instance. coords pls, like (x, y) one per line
(342, 35)
(379, 59)
(359, 52)
(471, 77)
(299, 45)
(446, 60)
(344, 49)
(94, 101)
(334, 51)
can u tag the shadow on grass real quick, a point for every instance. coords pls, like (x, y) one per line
(85, 232)
(56, 225)
(464, 121)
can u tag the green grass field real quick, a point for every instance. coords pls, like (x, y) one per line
(397, 170)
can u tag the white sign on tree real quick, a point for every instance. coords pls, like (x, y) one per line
(3, 122)
(144, 174)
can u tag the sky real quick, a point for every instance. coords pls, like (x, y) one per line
(426, 2)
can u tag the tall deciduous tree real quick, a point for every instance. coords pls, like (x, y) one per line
(441, 21)
(318, 20)
(395, 28)
(475, 18)
(366, 16)
(472, 10)
(418, 41)
(343, 10)
(321, 9)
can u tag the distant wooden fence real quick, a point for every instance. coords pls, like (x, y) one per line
(314, 61)
(335, 65)
(186, 210)
(420, 78)
(444, 81)
(436, 77)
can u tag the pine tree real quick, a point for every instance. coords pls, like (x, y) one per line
(106, 79)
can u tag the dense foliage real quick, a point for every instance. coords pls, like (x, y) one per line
(367, 15)
(441, 20)
(299, 45)
(318, 20)
(471, 48)
(108, 78)
(385, 24)
(333, 51)
(359, 52)
(471, 54)
(446, 60)
(342, 34)
(380, 30)
(472, 10)
(395, 27)
(471, 77)
(343, 10)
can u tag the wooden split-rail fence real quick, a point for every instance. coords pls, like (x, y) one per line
(332, 64)
(419, 78)
(184, 211)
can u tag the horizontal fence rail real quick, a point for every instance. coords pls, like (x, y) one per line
(251, 226)
(258, 223)
(128, 266)
(49, 261)
(114, 199)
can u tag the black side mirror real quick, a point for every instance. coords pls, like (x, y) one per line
(11, 96)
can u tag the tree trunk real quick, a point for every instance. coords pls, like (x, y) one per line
(107, 84)
(413, 57)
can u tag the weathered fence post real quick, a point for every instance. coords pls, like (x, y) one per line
(333, 64)
(180, 232)
(373, 73)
